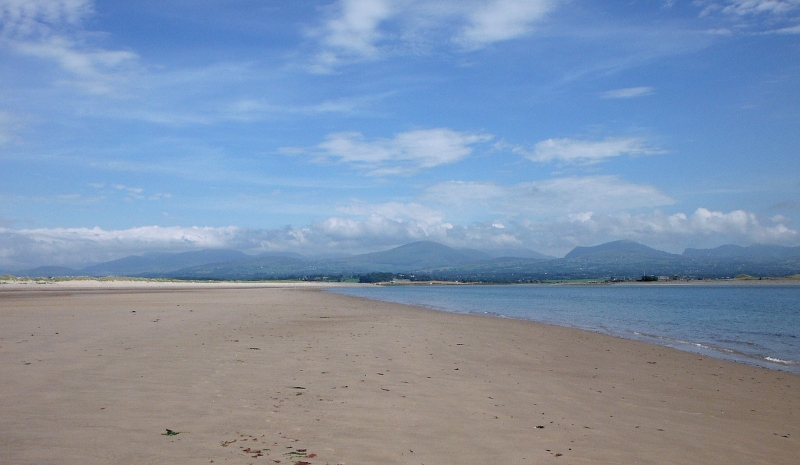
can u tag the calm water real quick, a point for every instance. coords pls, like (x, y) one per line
(751, 324)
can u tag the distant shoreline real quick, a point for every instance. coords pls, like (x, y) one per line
(143, 284)
(115, 282)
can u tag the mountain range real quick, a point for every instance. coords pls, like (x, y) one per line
(618, 259)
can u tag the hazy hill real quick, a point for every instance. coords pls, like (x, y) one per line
(279, 254)
(406, 258)
(412, 257)
(628, 259)
(628, 250)
(266, 266)
(157, 263)
(618, 259)
(49, 271)
(613, 259)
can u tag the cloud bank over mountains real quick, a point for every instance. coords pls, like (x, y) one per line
(379, 227)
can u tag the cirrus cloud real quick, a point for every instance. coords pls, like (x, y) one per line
(627, 92)
(756, 7)
(766, 16)
(52, 30)
(586, 152)
(27, 17)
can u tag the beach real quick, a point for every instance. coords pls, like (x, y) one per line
(132, 373)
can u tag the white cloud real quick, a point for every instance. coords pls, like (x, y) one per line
(394, 222)
(586, 151)
(702, 221)
(500, 20)
(756, 7)
(675, 232)
(787, 30)
(627, 92)
(376, 227)
(405, 153)
(85, 63)
(131, 193)
(51, 30)
(369, 29)
(259, 109)
(26, 17)
(82, 246)
(160, 196)
(354, 28)
(396, 211)
(369, 227)
(552, 197)
(379, 227)
(132, 190)
(768, 16)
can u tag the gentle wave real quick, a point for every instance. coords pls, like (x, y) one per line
(783, 362)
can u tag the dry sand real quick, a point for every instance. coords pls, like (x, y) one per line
(294, 375)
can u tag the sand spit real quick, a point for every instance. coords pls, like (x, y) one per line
(198, 374)
(21, 284)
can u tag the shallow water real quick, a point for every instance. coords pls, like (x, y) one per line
(751, 324)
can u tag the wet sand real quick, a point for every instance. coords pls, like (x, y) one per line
(289, 374)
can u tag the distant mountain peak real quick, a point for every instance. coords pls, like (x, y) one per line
(624, 258)
(416, 256)
(160, 262)
(624, 248)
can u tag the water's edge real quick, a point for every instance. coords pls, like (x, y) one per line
(754, 355)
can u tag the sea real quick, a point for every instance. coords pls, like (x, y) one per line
(753, 324)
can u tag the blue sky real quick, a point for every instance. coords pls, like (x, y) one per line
(349, 126)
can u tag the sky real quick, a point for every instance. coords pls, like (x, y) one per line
(350, 126)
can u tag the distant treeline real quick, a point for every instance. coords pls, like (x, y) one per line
(381, 277)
